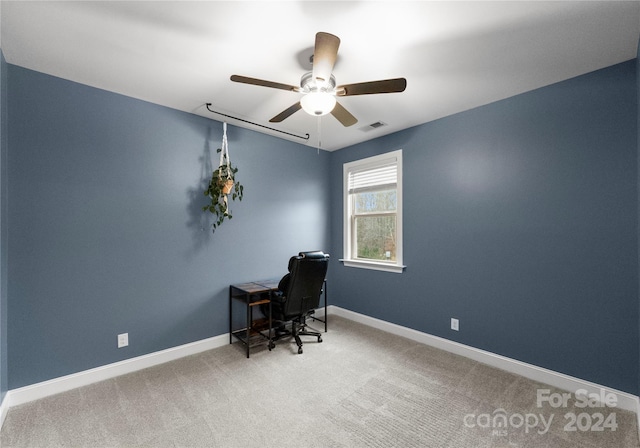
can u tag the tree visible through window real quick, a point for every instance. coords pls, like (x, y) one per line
(373, 205)
(375, 224)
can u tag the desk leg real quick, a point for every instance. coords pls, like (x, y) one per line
(248, 323)
(271, 344)
(230, 315)
(325, 306)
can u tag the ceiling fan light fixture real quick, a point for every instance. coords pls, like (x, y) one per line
(318, 103)
(318, 86)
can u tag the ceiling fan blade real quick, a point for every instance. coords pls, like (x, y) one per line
(325, 54)
(286, 113)
(371, 87)
(262, 82)
(343, 115)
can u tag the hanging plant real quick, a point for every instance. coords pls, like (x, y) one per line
(222, 184)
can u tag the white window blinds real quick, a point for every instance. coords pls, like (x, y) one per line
(374, 178)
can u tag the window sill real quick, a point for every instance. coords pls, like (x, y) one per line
(377, 266)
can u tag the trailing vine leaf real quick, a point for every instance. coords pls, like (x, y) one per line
(219, 189)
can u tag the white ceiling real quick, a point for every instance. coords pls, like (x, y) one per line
(454, 55)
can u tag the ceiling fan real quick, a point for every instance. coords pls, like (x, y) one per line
(319, 85)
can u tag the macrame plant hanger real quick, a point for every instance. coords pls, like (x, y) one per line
(224, 160)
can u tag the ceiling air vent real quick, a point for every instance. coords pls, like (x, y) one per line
(376, 125)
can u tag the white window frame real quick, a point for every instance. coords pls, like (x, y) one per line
(360, 165)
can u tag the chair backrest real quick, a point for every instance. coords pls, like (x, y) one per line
(307, 272)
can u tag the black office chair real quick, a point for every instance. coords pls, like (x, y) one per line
(299, 295)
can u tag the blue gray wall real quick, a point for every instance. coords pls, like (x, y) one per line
(520, 219)
(3, 228)
(638, 143)
(106, 230)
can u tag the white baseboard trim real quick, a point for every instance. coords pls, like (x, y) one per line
(625, 400)
(44, 389)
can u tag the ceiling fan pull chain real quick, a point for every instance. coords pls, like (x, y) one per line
(319, 134)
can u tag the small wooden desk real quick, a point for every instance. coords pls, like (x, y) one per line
(252, 294)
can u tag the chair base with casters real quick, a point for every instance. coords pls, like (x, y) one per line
(297, 328)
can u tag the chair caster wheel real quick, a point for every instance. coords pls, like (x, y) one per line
(299, 350)
(271, 346)
(319, 339)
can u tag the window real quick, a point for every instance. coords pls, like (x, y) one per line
(373, 212)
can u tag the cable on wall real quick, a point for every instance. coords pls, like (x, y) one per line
(306, 137)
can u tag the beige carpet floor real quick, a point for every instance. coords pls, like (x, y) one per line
(359, 388)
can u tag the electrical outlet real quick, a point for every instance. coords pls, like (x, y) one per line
(123, 340)
(455, 324)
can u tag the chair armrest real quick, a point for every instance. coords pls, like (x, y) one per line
(278, 296)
